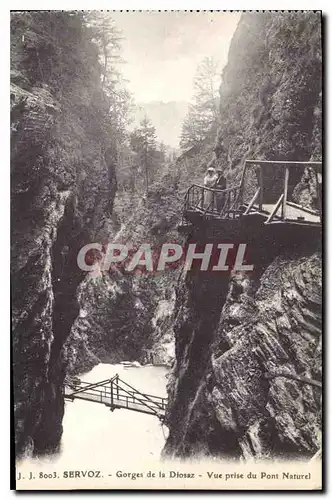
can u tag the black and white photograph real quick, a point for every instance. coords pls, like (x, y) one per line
(166, 219)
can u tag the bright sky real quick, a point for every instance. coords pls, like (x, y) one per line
(163, 49)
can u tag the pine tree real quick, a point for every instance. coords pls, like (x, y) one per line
(108, 38)
(202, 117)
(143, 142)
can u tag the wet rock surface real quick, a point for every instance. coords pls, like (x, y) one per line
(243, 401)
(62, 188)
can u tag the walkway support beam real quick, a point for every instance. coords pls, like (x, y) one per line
(284, 201)
(319, 199)
(261, 185)
(252, 202)
(313, 164)
(275, 210)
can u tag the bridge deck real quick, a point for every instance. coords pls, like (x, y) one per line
(293, 213)
(117, 394)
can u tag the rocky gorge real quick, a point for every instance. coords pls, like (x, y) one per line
(235, 342)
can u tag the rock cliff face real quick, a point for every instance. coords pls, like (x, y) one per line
(127, 316)
(271, 89)
(271, 96)
(248, 346)
(233, 339)
(63, 185)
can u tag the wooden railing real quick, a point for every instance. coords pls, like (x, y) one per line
(212, 201)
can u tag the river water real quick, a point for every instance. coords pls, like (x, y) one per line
(94, 436)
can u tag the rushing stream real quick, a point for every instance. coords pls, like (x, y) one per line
(94, 436)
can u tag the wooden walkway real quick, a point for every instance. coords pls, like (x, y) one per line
(117, 394)
(210, 203)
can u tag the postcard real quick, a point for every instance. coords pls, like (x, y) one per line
(166, 249)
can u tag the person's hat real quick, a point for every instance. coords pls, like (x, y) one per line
(210, 169)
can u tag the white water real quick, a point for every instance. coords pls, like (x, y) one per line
(92, 434)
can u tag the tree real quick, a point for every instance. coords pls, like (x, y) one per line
(108, 39)
(163, 150)
(203, 115)
(143, 142)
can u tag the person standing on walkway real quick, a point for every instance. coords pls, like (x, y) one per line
(210, 180)
(220, 186)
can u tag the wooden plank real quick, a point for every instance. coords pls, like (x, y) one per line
(223, 210)
(214, 189)
(288, 163)
(284, 201)
(202, 199)
(261, 185)
(304, 209)
(318, 196)
(252, 201)
(86, 386)
(293, 213)
(275, 210)
(236, 201)
(240, 194)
